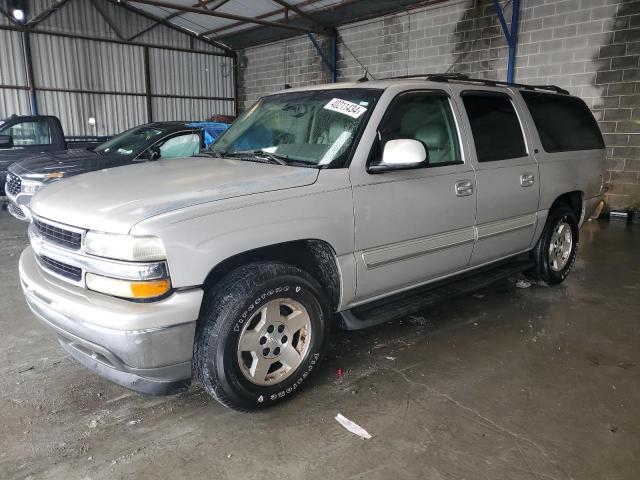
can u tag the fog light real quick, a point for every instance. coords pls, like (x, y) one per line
(140, 290)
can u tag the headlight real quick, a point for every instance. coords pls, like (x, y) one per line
(140, 290)
(30, 187)
(124, 247)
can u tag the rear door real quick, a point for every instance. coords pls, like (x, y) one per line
(506, 173)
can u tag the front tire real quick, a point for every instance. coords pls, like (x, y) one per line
(262, 331)
(556, 250)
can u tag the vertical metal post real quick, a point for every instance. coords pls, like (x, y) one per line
(513, 45)
(511, 35)
(334, 57)
(236, 75)
(331, 65)
(26, 45)
(147, 84)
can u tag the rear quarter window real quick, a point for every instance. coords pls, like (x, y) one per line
(564, 123)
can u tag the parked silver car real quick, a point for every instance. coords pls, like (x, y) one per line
(319, 205)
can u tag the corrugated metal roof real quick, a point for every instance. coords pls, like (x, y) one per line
(239, 34)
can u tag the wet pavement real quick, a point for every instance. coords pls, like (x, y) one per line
(508, 383)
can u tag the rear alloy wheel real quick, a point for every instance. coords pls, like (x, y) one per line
(262, 331)
(556, 250)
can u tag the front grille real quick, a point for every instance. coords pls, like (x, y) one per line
(16, 211)
(57, 235)
(62, 269)
(14, 184)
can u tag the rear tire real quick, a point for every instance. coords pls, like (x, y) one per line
(556, 250)
(262, 331)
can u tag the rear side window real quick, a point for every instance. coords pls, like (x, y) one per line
(564, 123)
(495, 126)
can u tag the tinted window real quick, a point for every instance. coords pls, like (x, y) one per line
(426, 117)
(564, 123)
(494, 125)
(29, 133)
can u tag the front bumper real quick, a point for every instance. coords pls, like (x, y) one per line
(146, 347)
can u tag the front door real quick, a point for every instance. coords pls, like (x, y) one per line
(414, 225)
(506, 174)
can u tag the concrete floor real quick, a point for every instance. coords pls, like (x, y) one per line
(506, 384)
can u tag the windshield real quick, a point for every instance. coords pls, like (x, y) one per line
(130, 141)
(313, 127)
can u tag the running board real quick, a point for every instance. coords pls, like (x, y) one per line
(406, 303)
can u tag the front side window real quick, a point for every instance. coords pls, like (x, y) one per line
(564, 123)
(180, 146)
(495, 127)
(129, 142)
(426, 117)
(314, 128)
(28, 133)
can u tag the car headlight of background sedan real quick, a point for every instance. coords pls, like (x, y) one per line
(31, 187)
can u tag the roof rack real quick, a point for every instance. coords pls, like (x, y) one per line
(461, 77)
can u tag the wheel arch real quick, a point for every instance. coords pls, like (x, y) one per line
(316, 257)
(574, 200)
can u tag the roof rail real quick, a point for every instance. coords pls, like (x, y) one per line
(461, 77)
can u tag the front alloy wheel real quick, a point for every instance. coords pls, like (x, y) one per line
(274, 341)
(262, 331)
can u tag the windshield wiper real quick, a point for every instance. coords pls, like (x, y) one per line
(261, 156)
(210, 152)
(275, 158)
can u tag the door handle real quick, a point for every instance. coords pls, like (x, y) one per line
(464, 188)
(527, 179)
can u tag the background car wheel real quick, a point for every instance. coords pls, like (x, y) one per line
(262, 331)
(555, 252)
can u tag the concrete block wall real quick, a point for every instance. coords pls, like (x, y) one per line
(590, 47)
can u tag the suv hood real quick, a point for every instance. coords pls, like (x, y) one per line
(69, 162)
(114, 200)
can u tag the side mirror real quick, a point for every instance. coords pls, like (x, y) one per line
(150, 154)
(6, 141)
(402, 154)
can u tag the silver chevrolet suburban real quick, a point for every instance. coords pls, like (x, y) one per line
(345, 204)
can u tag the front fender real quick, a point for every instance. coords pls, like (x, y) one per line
(199, 238)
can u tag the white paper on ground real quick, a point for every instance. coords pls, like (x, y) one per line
(352, 427)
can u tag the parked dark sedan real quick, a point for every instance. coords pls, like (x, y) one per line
(149, 142)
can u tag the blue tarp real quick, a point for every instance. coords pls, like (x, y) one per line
(211, 130)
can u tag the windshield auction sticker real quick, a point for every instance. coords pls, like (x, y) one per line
(352, 109)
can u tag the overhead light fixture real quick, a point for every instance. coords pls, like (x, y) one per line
(18, 15)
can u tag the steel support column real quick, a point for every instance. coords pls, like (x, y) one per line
(26, 45)
(147, 84)
(511, 35)
(329, 63)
